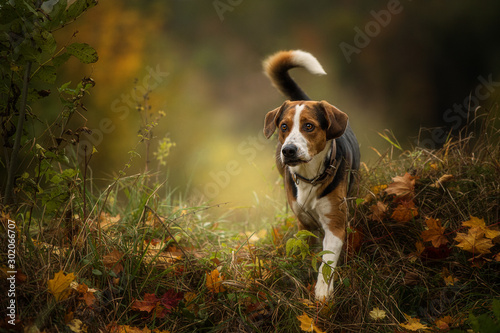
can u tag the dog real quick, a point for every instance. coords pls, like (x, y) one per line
(317, 155)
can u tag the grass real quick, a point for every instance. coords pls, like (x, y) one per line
(137, 240)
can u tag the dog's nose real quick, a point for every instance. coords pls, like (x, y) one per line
(289, 151)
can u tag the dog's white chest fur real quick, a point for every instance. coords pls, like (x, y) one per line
(308, 208)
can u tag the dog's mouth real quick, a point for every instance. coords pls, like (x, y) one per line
(293, 161)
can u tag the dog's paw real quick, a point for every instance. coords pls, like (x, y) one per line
(322, 290)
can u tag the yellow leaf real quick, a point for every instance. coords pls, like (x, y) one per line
(59, 286)
(376, 189)
(448, 278)
(77, 326)
(307, 324)
(478, 223)
(214, 281)
(377, 314)
(413, 324)
(474, 241)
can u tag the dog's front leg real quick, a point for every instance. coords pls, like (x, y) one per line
(333, 244)
(333, 224)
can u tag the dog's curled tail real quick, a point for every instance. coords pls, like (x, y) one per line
(277, 65)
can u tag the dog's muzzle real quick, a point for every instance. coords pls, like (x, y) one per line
(290, 155)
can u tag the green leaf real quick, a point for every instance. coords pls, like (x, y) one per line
(84, 52)
(496, 309)
(305, 233)
(78, 7)
(46, 74)
(290, 246)
(61, 59)
(95, 271)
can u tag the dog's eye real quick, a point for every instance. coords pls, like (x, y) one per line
(284, 127)
(309, 127)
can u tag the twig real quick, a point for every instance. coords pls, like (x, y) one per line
(17, 139)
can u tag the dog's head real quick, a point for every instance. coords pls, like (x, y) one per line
(304, 128)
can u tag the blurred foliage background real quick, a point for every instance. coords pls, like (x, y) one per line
(202, 60)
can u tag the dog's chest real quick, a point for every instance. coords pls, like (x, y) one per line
(308, 207)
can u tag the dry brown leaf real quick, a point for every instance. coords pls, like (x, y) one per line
(444, 323)
(403, 187)
(441, 180)
(147, 304)
(434, 233)
(405, 211)
(112, 261)
(378, 210)
(59, 286)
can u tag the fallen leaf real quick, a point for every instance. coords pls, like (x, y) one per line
(404, 212)
(378, 188)
(112, 261)
(378, 210)
(86, 294)
(403, 187)
(377, 314)
(474, 241)
(354, 241)
(307, 324)
(170, 300)
(214, 281)
(59, 286)
(444, 323)
(413, 324)
(448, 278)
(478, 223)
(191, 305)
(147, 304)
(443, 179)
(106, 220)
(77, 326)
(419, 249)
(434, 233)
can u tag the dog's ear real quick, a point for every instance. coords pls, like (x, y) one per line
(271, 120)
(337, 120)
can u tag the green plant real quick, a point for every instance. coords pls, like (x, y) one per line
(29, 59)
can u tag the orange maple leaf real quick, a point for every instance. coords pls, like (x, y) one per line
(474, 241)
(405, 211)
(86, 294)
(214, 281)
(434, 233)
(403, 187)
(59, 286)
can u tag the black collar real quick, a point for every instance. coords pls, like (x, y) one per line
(331, 168)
